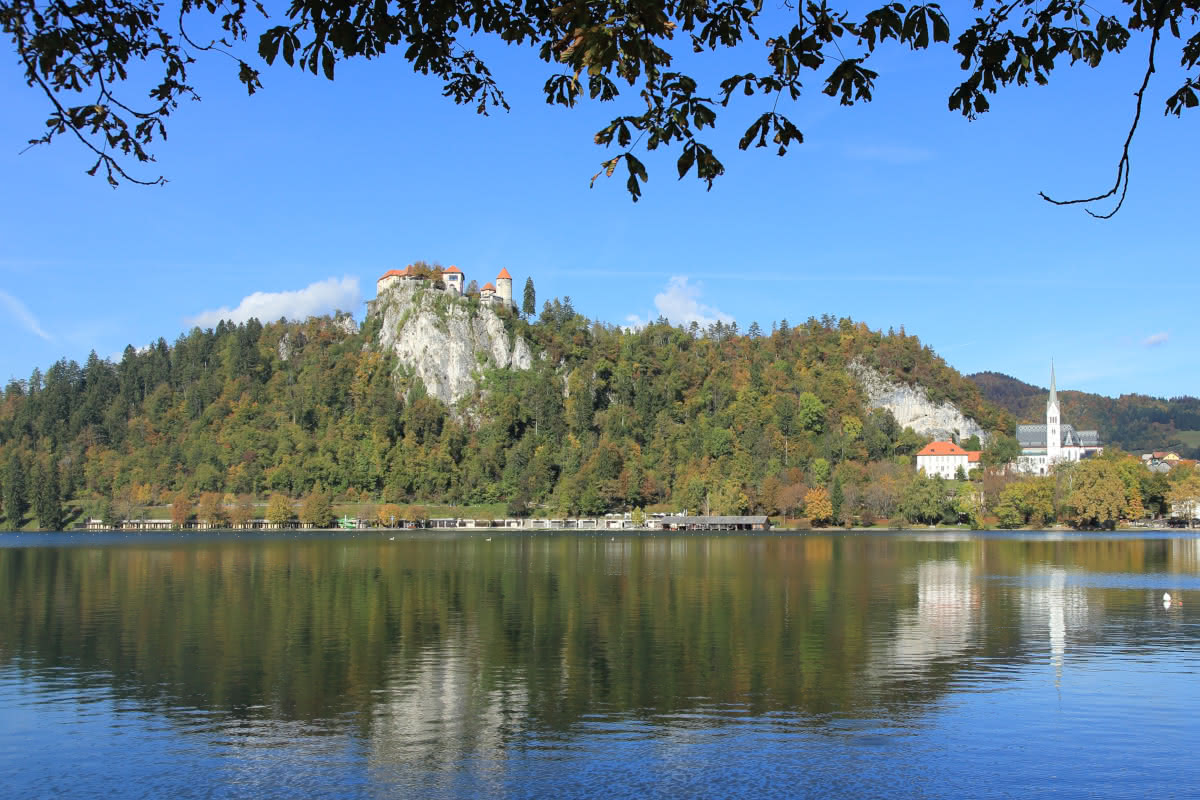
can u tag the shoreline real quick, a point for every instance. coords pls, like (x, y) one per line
(1058, 530)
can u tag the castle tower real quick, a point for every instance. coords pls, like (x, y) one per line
(504, 286)
(1053, 423)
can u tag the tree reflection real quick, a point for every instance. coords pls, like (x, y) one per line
(458, 642)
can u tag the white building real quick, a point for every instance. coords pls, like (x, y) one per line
(1043, 446)
(945, 459)
(453, 280)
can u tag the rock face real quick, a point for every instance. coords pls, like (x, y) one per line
(912, 408)
(437, 337)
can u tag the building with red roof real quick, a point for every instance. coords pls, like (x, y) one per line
(945, 459)
(504, 287)
(452, 279)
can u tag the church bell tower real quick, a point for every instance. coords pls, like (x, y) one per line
(1053, 423)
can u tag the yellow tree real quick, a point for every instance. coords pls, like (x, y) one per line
(818, 505)
(1184, 497)
(730, 499)
(1098, 496)
(279, 510)
(242, 512)
(211, 509)
(389, 514)
(181, 509)
(317, 510)
(1134, 509)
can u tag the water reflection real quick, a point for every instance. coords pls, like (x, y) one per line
(454, 661)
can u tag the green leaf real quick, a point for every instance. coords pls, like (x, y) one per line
(327, 61)
(686, 159)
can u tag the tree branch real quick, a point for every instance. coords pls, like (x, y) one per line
(1122, 182)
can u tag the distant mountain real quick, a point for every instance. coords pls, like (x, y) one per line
(1134, 422)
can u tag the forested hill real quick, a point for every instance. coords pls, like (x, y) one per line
(1134, 422)
(605, 418)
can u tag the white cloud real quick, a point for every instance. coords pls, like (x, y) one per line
(316, 298)
(680, 303)
(23, 315)
(1156, 339)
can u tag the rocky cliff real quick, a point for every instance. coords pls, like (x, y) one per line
(445, 340)
(912, 408)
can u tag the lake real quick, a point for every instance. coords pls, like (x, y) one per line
(572, 665)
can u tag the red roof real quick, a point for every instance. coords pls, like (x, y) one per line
(453, 269)
(973, 455)
(487, 287)
(399, 273)
(504, 275)
(942, 449)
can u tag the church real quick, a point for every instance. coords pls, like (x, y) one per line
(1043, 446)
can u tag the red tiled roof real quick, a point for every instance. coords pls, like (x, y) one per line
(973, 456)
(487, 287)
(399, 273)
(504, 274)
(942, 449)
(453, 269)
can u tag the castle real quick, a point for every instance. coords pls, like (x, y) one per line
(453, 280)
(1043, 446)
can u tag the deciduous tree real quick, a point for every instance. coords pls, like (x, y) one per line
(1184, 497)
(389, 514)
(81, 55)
(181, 510)
(210, 509)
(242, 511)
(317, 510)
(818, 506)
(1000, 450)
(1098, 496)
(279, 510)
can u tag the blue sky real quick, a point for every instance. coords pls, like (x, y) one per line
(895, 213)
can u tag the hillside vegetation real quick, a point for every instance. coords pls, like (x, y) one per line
(606, 419)
(1135, 422)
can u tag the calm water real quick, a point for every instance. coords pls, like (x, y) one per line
(571, 665)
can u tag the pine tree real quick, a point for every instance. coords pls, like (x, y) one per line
(529, 306)
(15, 498)
(837, 498)
(47, 500)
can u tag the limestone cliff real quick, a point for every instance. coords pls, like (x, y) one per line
(912, 408)
(445, 340)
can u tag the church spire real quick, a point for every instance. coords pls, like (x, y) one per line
(1053, 391)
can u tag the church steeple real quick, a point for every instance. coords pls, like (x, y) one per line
(1053, 422)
